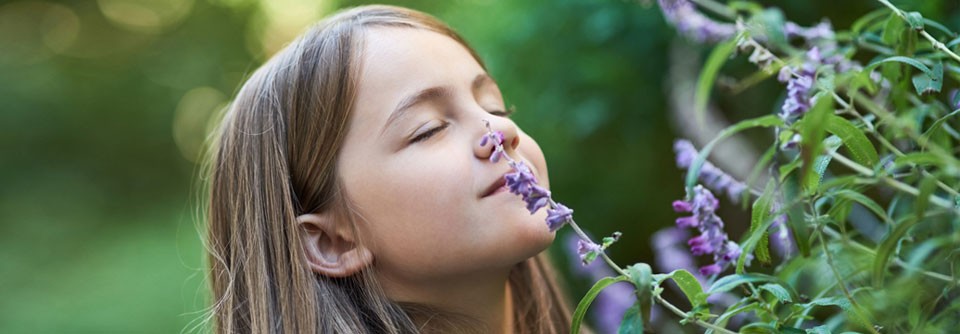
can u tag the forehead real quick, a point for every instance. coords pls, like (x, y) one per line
(397, 61)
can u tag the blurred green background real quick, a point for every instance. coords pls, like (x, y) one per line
(104, 106)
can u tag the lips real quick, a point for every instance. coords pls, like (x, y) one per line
(499, 182)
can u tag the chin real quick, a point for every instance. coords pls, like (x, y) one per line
(535, 237)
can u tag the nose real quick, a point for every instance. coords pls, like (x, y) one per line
(511, 138)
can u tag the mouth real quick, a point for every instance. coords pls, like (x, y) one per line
(499, 185)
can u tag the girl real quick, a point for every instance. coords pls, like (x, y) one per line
(349, 192)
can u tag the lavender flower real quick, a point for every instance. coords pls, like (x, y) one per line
(799, 86)
(558, 216)
(781, 241)
(693, 24)
(522, 182)
(710, 175)
(821, 31)
(588, 251)
(712, 239)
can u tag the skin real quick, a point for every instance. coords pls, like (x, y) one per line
(427, 232)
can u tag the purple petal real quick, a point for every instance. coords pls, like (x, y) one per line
(690, 221)
(709, 270)
(682, 206)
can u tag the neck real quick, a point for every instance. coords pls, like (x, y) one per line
(486, 298)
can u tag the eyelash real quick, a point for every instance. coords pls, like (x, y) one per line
(433, 131)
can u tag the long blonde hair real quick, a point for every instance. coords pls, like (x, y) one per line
(274, 158)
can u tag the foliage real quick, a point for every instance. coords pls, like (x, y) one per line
(879, 139)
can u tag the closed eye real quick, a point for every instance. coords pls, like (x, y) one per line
(503, 113)
(429, 133)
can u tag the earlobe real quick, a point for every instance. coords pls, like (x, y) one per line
(330, 249)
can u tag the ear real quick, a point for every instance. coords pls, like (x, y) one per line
(331, 249)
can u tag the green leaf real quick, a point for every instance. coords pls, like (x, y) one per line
(815, 175)
(632, 322)
(919, 158)
(785, 170)
(690, 286)
(694, 172)
(861, 22)
(861, 149)
(729, 282)
(886, 247)
(796, 219)
(813, 128)
(641, 276)
(819, 330)
(866, 202)
(778, 291)
(892, 29)
(900, 59)
(759, 328)
(732, 311)
(936, 125)
(588, 299)
(840, 301)
(927, 186)
(761, 211)
(915, 20)
(708, 75)
(925, 84)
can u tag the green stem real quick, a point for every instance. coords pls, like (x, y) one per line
(897, 261)
(664, 302)
(843, 286)
(936, 44)
(883, 141)
(702, 323)
(891, 182)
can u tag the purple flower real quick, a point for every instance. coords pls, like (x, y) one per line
(782, 239)
(784, 74)
(712, 240)
(558, 216)
(822, 30)
(682, 206)
(588, 251)
(495, 136)
(687, 221)
(521, 180)
(536, 198)
(710, 270)
(710, 175)
(798, 95)
(693, 24)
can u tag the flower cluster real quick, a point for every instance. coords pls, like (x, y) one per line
(710, 175)
(712, 239)
(690, 22)
(522, 182)
(799, 85)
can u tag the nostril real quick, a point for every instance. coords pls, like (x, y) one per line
(516, 141)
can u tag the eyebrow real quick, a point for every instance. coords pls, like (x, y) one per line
(431, 93)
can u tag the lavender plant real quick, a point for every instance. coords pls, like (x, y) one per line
(860, 204)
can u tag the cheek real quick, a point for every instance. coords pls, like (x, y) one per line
(415, 207)
(530, 150)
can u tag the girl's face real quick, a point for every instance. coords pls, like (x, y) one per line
(417, 174)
